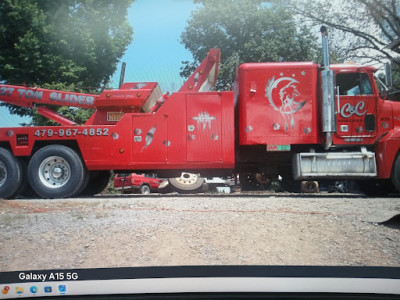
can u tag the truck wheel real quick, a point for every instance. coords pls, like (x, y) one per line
(144, 190)
(309, 186)
(11, 174)
(188, 182)
(24, 187)
(98, 181)
(56, 171)
(396, 173)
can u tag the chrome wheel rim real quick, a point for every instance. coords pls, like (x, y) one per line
(188, 178)
(54, 172)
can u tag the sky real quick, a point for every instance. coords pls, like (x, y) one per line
(155, 53)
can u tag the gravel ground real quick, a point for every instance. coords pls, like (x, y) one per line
(159, 230)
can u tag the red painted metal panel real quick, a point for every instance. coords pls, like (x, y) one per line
(350, 125)
(175, 108)
(133, 96)
(150, 139)
(386, 152)
(203, 128)
(228, 128)
(356, 101)
(278, 104)
(210, 151)
(356, 98)
(102, 152)
(205, 76)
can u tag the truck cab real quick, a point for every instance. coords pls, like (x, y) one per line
(281, 112)
(362, 117)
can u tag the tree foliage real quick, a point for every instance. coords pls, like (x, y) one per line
(366, 31)
(245, 31)
(69, 44)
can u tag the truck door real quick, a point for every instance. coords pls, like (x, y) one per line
(355, 109)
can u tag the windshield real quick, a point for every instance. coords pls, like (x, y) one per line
(190, 184)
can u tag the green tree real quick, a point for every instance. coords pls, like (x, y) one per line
(365, 31)
(67, 44)
(245, 31)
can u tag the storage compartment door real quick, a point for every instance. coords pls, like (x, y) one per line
(150, 142)
(203, 128)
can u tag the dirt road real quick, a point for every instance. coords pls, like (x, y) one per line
(269, 229)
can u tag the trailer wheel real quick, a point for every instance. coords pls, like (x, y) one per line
(144, 189)
(188, 182)
(98, 181)
(11, 174)
(56, 171)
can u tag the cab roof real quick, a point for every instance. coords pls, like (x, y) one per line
(352, 68)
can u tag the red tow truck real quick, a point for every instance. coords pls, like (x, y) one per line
(299, 120)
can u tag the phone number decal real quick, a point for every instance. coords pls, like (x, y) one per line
(72, 132)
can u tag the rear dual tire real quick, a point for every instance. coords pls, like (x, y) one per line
(97, 181)
(11, 175)
(56, 171)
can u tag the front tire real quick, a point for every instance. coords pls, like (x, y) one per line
(56, 171)
(11, 174)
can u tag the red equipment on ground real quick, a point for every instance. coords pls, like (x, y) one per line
(143, 183)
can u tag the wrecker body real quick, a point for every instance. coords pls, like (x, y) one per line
(296, 120)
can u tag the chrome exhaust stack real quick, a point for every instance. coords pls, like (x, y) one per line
(328, 93)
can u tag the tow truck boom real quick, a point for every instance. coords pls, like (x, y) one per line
(27, 97)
